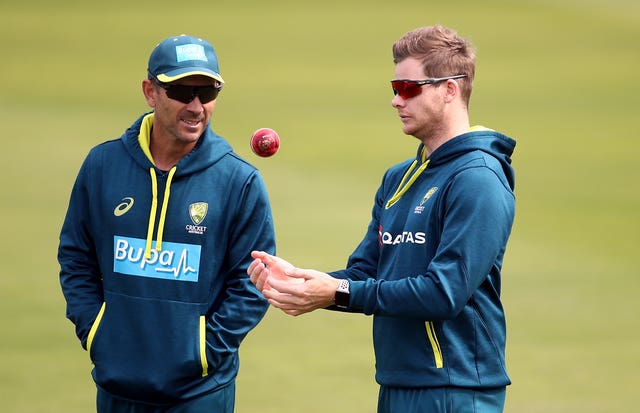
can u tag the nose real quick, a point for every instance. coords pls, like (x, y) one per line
(195, 105)
(397, 101)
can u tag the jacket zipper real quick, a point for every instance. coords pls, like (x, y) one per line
(435, 345)
(203, 346)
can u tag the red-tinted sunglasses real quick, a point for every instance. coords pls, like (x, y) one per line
(186, 94)
(408, 88)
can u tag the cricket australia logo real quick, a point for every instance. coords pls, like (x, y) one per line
(429, 194)
(197, 212)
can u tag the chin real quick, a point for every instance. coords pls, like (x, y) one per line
(408, 130)
(189, 138)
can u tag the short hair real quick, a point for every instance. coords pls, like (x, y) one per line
(442, 53)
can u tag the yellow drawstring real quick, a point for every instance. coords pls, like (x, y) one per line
(402, 188)
(163, 211)
(152, 213)
(154, 210)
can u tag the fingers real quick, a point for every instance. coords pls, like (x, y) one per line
(270, 260)
(295, 303)
(294, 313)
(263, 256)
(282, 292)
(299, 273)
(295, 291)
(288, 308)
(289, 286)
(258, 273)
(258, 254)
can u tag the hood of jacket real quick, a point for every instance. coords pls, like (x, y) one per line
(479, 138)
(208, 150)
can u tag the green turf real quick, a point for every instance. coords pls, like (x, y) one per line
(560, 76)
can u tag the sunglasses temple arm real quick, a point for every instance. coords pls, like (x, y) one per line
(440, 79)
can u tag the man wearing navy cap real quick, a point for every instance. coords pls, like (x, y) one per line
(156, 243)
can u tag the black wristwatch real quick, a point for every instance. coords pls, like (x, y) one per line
(342, 294)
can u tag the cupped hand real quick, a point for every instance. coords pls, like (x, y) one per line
(310, 291)
(266, 267)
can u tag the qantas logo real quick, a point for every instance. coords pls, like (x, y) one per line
(405, 237)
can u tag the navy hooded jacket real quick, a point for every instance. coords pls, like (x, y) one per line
(153, 265)
(429, 266)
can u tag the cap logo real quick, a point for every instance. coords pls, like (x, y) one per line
(190, 52)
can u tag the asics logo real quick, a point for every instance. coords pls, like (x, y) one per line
(123, 207)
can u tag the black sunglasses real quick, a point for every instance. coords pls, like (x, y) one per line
(186, 94)
(407, 88)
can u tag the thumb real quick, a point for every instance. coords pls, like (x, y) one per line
(265, 257)
(261, 255)
(300, 273)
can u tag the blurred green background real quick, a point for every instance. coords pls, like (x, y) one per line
(560, 76)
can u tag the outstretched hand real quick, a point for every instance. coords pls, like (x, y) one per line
(294, 290)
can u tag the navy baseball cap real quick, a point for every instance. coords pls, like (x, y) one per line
(181, 56)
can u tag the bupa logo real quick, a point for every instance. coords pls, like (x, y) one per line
(406, 237)
(176, 261)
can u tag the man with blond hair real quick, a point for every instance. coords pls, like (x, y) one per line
(429, 266)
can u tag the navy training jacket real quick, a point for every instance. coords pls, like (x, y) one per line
(153, 265)
(429, 266)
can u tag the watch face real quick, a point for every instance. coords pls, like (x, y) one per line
(342, 300)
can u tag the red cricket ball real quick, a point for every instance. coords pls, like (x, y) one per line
(265, 142)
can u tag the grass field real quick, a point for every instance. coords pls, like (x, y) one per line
(559, 76)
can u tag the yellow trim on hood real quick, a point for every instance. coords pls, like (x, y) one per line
(477, 128)
(144, 137)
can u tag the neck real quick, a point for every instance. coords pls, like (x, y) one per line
(167, 153)
(436, 137)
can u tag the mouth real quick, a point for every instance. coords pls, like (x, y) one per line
(193, 123)
(403, 118)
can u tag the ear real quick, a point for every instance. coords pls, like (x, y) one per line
(149, 91)
(452, 90)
